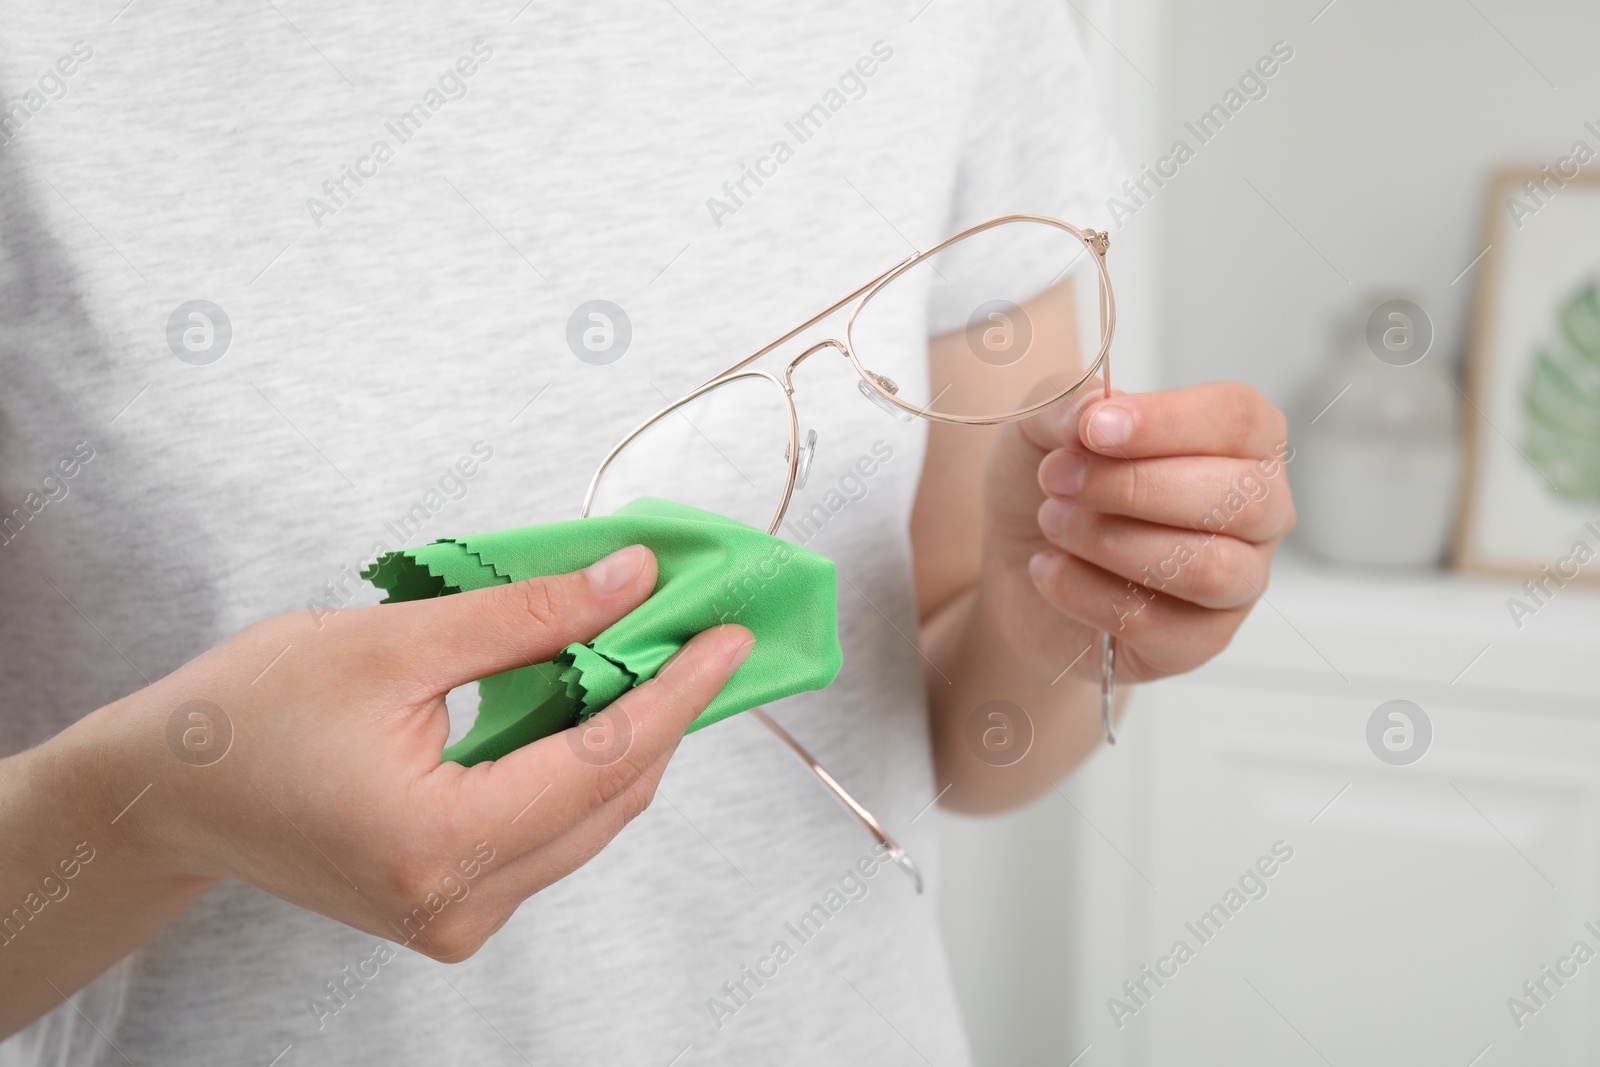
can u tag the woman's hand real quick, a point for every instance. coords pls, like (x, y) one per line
(305, 761)
(1153, 517)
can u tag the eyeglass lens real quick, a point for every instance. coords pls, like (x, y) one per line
(1022, 301)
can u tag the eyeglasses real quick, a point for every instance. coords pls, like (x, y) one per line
(999, 282)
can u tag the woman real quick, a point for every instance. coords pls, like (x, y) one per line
(299, 283)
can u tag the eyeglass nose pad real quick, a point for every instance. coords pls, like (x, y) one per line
(808, 452)
(877, 398)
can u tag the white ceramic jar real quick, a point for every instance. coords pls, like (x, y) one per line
(1377, 462)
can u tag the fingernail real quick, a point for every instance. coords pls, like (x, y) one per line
(1110, 426)
(616, 570)
(1041, 566)
(1053, 518)
(740, 654)
(1063, 472)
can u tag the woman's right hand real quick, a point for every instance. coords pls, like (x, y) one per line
(331, 794)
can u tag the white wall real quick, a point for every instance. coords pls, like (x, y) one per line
(1374, 143)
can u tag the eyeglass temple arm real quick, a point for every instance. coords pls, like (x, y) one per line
(866, 818)
(1108, 644)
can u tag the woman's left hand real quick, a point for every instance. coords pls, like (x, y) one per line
(1153, 517)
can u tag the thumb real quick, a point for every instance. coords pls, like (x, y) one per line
(453, 640)
(1061, 426)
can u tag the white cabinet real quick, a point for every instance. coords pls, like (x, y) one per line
(1418, 899)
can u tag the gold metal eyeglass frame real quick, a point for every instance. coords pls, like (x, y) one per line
(884, 391)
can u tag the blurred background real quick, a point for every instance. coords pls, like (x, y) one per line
(1439, 901)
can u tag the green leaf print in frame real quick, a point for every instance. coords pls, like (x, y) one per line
(1561, 399)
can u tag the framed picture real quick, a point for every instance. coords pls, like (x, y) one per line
(1532, 493)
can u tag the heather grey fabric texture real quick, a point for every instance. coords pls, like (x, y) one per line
(372, 195)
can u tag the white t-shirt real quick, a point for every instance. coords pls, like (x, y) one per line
(386, 311)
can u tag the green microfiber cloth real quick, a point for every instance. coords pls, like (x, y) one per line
(710, 570)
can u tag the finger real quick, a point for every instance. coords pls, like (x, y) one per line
(1210, 494)
(1058, 426)
(452, 640)
(1211, 570)
(1215, 419)
(1160, 634)
(565, 776)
